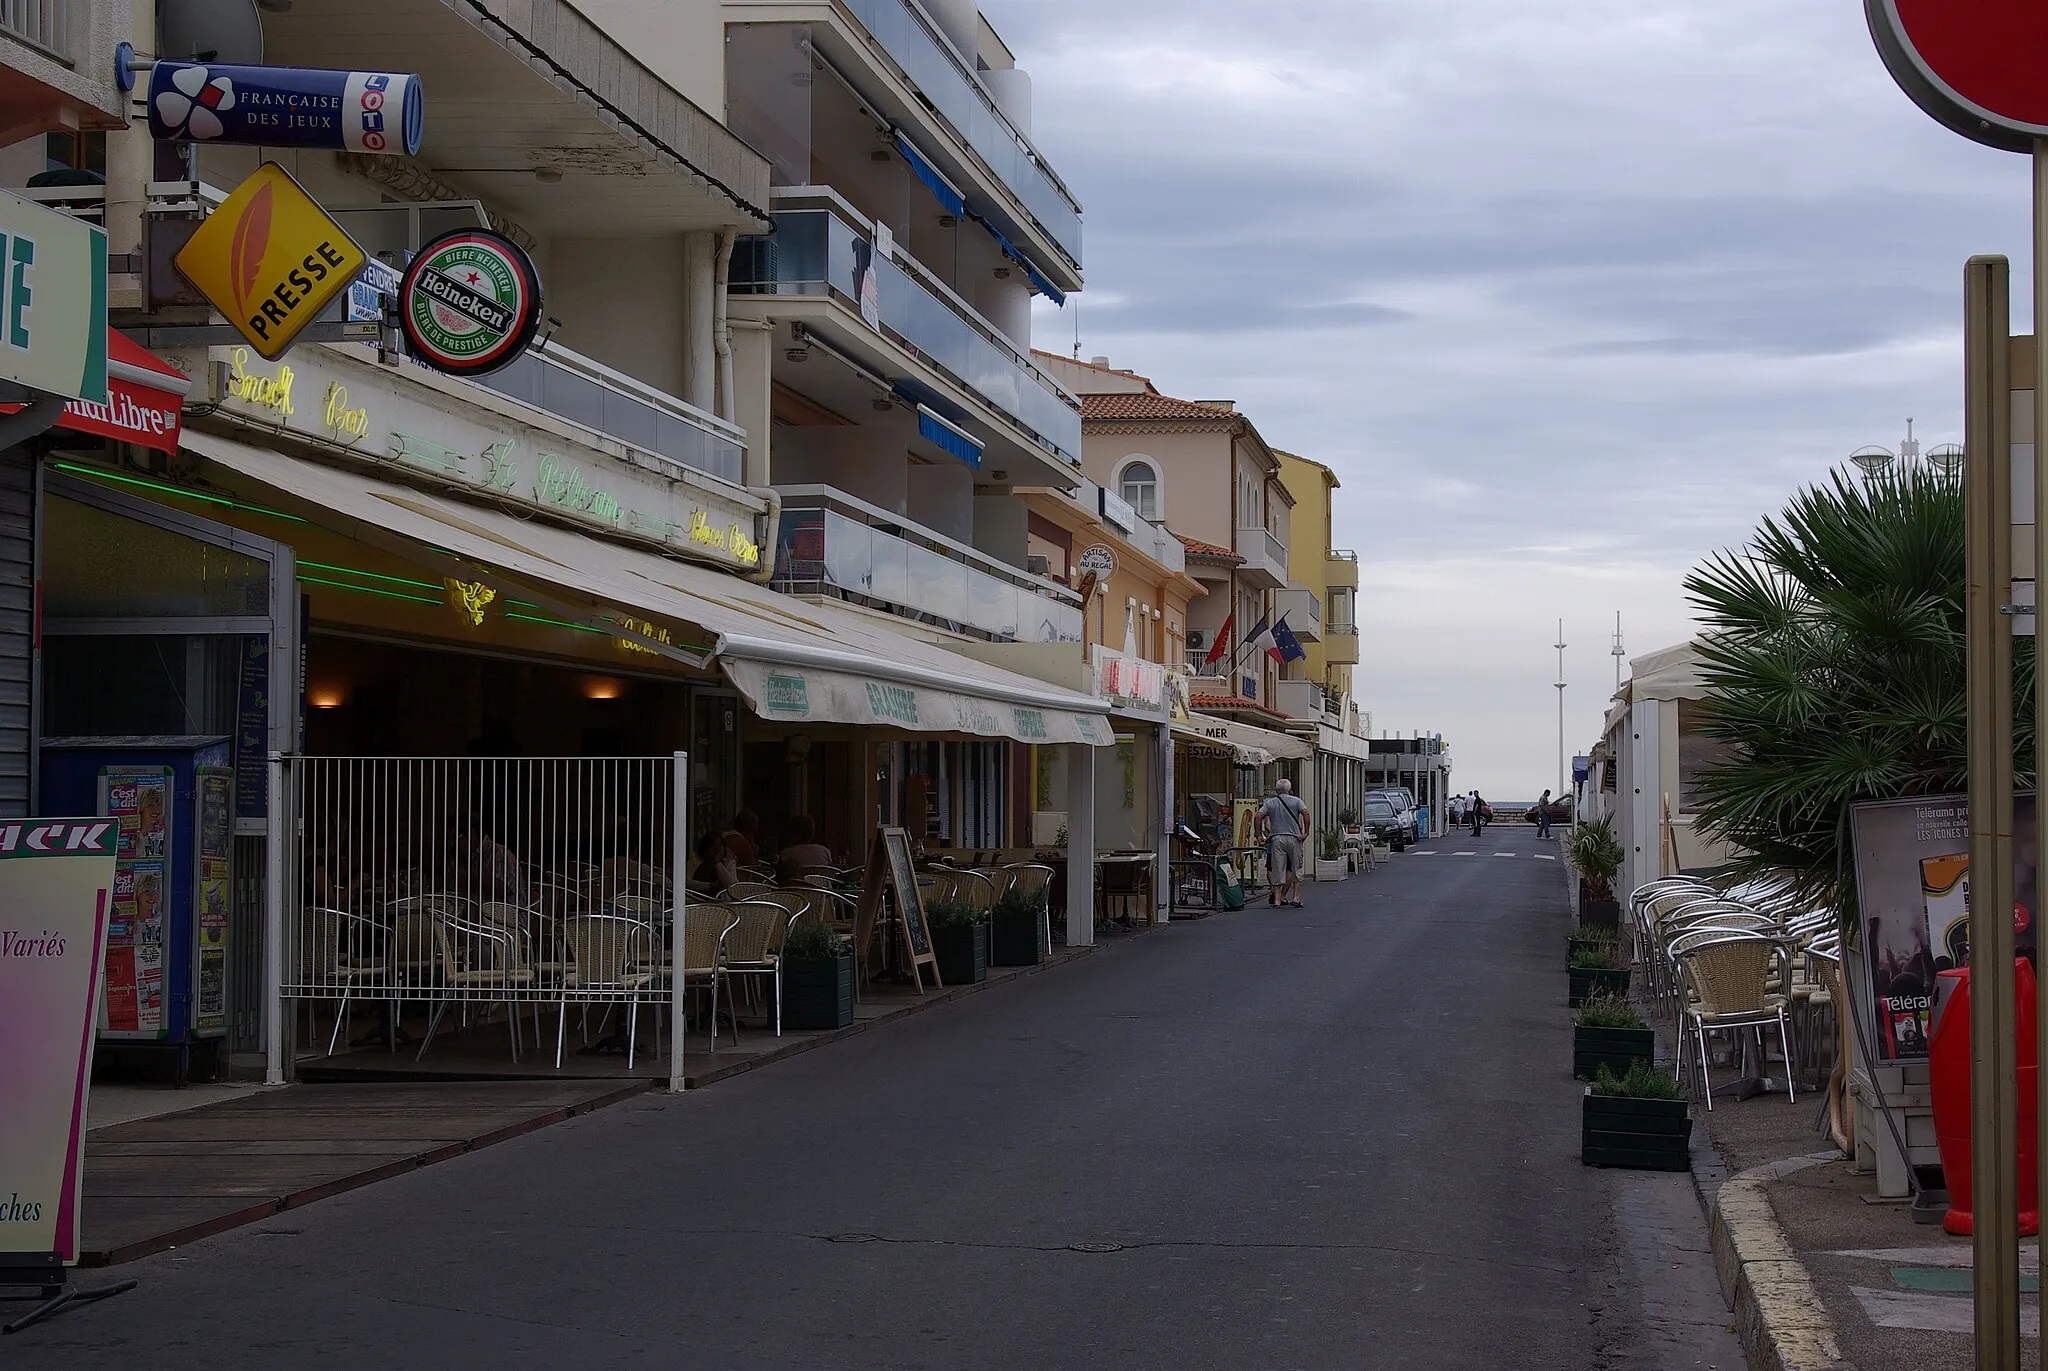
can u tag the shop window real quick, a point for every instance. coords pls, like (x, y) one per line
(100, 565)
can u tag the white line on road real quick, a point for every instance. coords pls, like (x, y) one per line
(1544, 856)
(1503, 854)
(1464, 854)
(1423, 852)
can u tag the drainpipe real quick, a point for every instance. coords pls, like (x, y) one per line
(771, 522)
(721, 324)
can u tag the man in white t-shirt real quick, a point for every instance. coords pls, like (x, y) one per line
(1284, 820)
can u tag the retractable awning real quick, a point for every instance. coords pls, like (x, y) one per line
(1252, 746)
(793, 661)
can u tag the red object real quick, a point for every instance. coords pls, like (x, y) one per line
(1222, 643)
(145, 399)
(1974, 65)
(1948, 1060)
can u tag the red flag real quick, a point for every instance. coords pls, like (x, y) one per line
(1222, 643)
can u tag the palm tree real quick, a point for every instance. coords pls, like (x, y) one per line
(1833, 657)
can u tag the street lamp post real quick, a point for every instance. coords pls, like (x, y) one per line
(1560, 708)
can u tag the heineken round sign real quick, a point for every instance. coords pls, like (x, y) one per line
(470, 302)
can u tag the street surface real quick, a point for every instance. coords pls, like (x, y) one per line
(1335, 1137)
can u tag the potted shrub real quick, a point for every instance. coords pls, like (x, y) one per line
(1638, 1120)
(1590, 936)
(817, 979)
(1597, 970)
(960, 939)
(1597, 856)
(1608, 1035)
(1330, 864)
(1016, 930)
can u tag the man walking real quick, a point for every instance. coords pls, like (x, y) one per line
(1478, 813)
(1283, 819)
(1542, 815)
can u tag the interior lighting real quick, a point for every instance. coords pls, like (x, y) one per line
(602, 688)
(326, 697)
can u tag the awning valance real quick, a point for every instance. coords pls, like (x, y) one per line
(1253, 746)
(792, 660)
(944, 191)
(145, 399)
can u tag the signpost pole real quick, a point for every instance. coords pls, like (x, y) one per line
(2040, 565)
(1987, 487)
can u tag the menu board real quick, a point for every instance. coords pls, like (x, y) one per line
(891, 871)
(215, 785)
(138, 799)
(252, 729)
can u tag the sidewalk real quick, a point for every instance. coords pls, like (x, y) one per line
(165, 1167)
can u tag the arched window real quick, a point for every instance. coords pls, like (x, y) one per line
(1140, 487)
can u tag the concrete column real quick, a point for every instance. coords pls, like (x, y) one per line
(1163, 811)
(1080, 844)
(700, 343)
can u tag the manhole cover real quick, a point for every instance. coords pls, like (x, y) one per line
(1096, 1247)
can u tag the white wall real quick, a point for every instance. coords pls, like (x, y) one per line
(621, 301)
(681, 41)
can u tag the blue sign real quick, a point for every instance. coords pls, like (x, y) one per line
(1582, 767)
(286, 107)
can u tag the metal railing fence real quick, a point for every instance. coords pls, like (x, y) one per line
(415, 881)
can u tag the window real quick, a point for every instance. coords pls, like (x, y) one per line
(1141, 488)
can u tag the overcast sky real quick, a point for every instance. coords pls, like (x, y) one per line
(1568, 295)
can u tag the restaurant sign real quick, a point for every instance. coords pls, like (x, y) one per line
(404, 419)
(53, 302)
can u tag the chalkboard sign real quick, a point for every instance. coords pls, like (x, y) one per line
(890, 869)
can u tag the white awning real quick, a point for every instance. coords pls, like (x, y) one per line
(1254, 746)
(792, 660)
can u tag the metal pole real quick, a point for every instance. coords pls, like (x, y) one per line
(679, 885)
(1560, 709)
(1987, 488)
(2040, 560)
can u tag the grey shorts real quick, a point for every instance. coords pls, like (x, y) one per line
(1285, 863)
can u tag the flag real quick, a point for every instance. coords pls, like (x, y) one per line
(1260, 639)
(1286, 647)
(1222, 643)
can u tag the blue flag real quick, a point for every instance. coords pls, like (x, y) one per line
(1286, 647)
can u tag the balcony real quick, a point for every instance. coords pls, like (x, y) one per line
(833, 544)
(1308, 700)
(1302, 610)
(1340, 570)
(1340, 644)
(573, 387)
(1147, 537)
(1265, 559)
(825, 257)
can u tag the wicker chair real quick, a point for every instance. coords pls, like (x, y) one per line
(751, 945)
(612, 956)
(475, 955)
(335, 949)
(1726, 978)
(749, 890)
(1033, 879)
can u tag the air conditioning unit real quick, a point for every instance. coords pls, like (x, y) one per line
(1038, 565)
(1197, 638)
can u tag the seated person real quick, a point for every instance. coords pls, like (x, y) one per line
(743, 839)
(715, 871)
(804, 850)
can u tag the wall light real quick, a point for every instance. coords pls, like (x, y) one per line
(602, 688)
(326, 697)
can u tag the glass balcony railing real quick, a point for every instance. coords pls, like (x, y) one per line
(585, 392)
(832, 544)
(818, 252)
(964, 104)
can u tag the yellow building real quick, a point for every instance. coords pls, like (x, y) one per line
(1322, 593)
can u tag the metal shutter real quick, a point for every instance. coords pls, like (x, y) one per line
(17, 626)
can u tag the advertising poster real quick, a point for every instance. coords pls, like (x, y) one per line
(216, 837)
(138, 801)
(1913, 887)
(252, 729)
(56, 886)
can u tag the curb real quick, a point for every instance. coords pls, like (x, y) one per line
(1779, 1316)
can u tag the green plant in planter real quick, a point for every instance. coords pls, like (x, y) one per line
(817, 979)
(1597, 969)
(1593, 933)
(1017, 930)
(1607, 1011)
(1597, 856)
(1641, 1081)
(1595, 957)
(1329, 843)
(960, 938)
(1347, 818)
(940, 915)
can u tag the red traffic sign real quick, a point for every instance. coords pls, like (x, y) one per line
(1974, 65)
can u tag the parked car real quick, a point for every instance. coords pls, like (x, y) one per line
(1388, 823)
(1560, 812)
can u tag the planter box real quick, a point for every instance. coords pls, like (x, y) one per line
(1613, 1048)
(1643, 1135)
(1600, 913)
(817, 993)
(963, 954)
(1586, 982)
(1335, 870)
(1015, 940)
(1572, 945)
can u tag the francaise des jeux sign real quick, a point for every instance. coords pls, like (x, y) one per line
(338, 401)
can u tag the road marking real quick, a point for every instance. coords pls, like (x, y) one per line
(1957, 1255)
(1544, 856)
(1931, 1313)
(1949, 1280)
(1464, 854)
(1503, 854)
(1423, 852)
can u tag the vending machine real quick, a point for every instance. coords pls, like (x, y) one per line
(167, 938)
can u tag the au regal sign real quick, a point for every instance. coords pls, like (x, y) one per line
(340, 402)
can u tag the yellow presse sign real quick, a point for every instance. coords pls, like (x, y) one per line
(270, 259)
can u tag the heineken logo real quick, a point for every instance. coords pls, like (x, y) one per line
(470, 302)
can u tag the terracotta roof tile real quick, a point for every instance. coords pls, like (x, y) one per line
(1148, 406)
(1197, 548)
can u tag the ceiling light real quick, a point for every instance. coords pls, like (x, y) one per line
(602, 688)
(796, 354)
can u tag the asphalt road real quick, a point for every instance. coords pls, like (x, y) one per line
(1334, 1137)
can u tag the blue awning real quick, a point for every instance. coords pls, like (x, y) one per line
(1016, 254)
(946, 438)
(950, 199)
